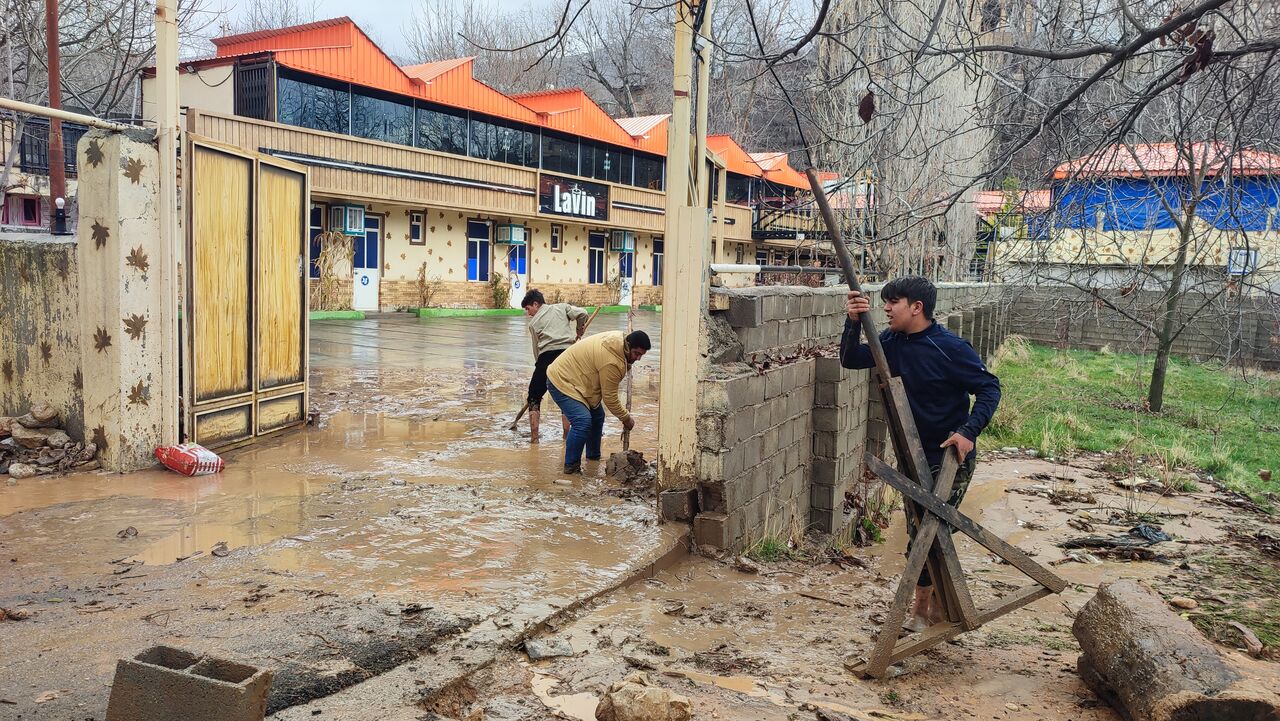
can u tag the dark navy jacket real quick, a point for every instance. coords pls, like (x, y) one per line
(939, 370)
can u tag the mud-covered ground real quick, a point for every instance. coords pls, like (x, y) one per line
(403, 519)
(772, 644)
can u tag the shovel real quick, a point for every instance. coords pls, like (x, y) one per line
(525, 409)
(621, 460)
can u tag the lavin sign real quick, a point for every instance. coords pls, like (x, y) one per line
(573, 198)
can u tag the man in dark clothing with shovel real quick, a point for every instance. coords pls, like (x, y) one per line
(939, 371)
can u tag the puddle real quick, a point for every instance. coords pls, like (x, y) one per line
(575, 706)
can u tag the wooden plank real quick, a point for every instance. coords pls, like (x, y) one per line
(915, 643)
(964, 524)
(922, 547)
(279, 290)
(220, 268)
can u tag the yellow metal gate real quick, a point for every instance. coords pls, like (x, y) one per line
(245, 311)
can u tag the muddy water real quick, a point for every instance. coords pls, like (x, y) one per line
(411, 482)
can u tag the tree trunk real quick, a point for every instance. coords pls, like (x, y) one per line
(1155, 393)
(1153, 665)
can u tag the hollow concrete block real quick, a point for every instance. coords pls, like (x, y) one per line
(164, 683)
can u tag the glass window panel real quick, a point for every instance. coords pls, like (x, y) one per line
(480, 139)
(379, 119)
(312, 106)
(559, 155)
(444, 132)
(657, 261)
(648, 172)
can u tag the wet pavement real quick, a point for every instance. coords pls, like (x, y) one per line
(409, 493)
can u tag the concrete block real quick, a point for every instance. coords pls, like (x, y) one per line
(821, 496)
(827, 419)
(711, 431)
(828, 370)
(711, 497)
(745, 390)
(712, 529)
(678, 505)
(745, 311)
(800, 401)
(164, 683)
(774, 380)
(806, 305)
(830, 394)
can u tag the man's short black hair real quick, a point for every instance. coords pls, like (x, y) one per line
(639, 339)
(533, 296)
(913, 288)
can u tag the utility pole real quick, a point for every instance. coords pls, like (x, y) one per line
(57, 166)
(687, 234)
(171, 250)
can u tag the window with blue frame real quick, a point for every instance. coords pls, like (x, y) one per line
(379, 119)
(442, 131)
(517, 259)
(627, 265)
(316, 227)
(595, 259)
(313, 105)
(366, 255)
(417, 235)
(477, 251)
(657, 261)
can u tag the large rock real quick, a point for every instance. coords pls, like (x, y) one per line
(45, 414)
(6, 423)
(635, 698)
(59, 439)
(23, 470)
(31, 437)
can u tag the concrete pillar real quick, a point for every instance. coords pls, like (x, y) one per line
(123, 339)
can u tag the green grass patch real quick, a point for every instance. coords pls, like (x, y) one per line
(769, 549)
(1222, 421)
(336, 315)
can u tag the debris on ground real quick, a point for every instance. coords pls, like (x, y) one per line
(190, 459)
(14, 614)
(538, 649)
(34, 444)
(626, 466)
(635, 698)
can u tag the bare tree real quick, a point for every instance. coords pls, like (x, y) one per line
(252, 15)
(105, 46)
(502, 42)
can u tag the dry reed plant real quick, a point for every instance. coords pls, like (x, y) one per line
(336, 250)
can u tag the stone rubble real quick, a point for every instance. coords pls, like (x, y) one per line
(35, 444)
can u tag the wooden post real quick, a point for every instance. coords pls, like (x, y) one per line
(57, 163)
(684, 291)
(170, 259)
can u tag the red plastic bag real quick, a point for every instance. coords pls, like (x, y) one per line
(190, 459)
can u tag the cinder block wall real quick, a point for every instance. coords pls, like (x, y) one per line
(1243, 329)
(782, 427)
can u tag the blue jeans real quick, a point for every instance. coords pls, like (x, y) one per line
(586, 426)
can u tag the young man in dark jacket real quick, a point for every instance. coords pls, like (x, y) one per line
(939, 371)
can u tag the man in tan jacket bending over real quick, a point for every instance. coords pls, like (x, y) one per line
(584, 380)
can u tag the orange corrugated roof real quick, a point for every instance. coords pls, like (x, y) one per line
(1168, 159)
(276, 38)
(569, 110)
(777, 169)
(736, 160)
(339, 49)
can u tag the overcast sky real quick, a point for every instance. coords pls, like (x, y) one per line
(384, 20)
